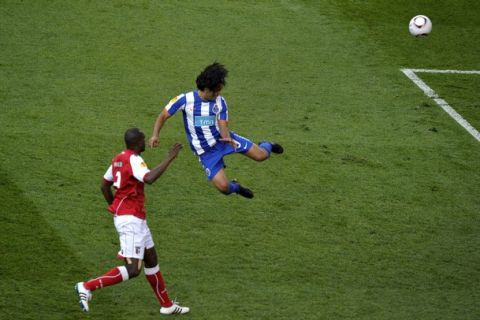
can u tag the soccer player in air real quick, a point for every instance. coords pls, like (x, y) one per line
(128, 173)
(205, 117)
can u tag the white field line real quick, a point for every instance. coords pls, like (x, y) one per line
(445, 71)
(410, 73)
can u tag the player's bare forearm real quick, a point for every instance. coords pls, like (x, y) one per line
(159, 122)
(156, 172)
(107, 191)
(158, 125)
(224, 130)
(225, 133)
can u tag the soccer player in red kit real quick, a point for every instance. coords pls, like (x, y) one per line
(128, 173)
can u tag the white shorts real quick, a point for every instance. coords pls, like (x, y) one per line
(134, 236)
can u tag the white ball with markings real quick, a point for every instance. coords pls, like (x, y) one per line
(420, 26)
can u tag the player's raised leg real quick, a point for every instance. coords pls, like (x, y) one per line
(227, 187)
(263, 150)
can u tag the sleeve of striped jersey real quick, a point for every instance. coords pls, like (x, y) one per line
(139, 167)
(176, 103)
(223, 111)
(108, 175)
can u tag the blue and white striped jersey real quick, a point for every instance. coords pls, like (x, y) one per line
(200, 119)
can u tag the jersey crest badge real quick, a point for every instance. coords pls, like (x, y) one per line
(215, 109)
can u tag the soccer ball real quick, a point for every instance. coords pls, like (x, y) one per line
(420, 26)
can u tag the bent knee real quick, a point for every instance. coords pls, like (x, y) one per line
(258, 154)
(222, 184)
(222, 187)
(133, 267)
(133, 273)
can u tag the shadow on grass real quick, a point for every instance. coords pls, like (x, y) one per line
(37, 268)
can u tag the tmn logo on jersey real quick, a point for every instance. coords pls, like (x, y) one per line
(205, 121)
(118, 164)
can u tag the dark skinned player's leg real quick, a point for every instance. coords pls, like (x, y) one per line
(150, 258)
(155, 278)
(134, 266)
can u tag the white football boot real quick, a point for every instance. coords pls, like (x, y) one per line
(174, 309)
(84, 295)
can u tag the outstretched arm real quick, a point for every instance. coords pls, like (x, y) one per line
(161, 119)
(156, 172)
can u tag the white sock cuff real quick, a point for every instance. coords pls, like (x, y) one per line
(123, 272)
(150, 271)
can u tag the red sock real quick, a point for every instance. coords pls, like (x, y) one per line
(154, 276)
(114, 276)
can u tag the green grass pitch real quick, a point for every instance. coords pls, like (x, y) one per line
(373, 212)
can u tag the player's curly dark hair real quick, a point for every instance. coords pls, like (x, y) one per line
(213, 77)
